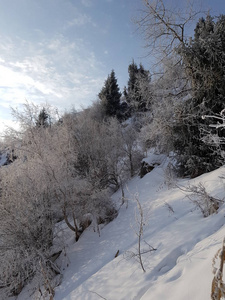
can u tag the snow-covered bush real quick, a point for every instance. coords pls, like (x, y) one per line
(27, 218)
(207, 204)
(64, 171)
(43, 186)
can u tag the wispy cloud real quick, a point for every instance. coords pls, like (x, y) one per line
(50, 60)
(87, 3)
(57, 71)
(80, 20)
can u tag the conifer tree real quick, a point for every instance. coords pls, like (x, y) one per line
(43, 119)
(137, 92)
(204, 59)
(110, 95)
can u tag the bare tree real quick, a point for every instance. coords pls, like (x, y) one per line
(132, 149)
(164, 26)
(138, 226)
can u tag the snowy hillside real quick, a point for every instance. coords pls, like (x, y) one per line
(185, 243)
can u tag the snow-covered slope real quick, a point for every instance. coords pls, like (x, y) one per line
(185, 242)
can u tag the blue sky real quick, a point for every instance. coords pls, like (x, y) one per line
(61, 51)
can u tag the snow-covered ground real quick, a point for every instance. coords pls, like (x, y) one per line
(185, 243)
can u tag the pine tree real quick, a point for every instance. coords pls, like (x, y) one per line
(132, 71)
(137, 92)
(204, 59)
(110, 96)
(43, 119)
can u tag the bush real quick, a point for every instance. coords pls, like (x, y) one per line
(207, 204)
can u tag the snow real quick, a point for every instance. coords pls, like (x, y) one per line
(185, 242)
(3, 158)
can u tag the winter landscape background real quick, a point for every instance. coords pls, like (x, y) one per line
(123, 199)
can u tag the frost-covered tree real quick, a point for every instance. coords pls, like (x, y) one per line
(169, 93)
(137, 93)
(204, 62)
(202, 59)
(27, 218)
(131, 147)
(63, 172)
(105, 150)
(45, 185)
(95, 145)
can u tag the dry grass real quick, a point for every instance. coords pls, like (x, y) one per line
(218, 286)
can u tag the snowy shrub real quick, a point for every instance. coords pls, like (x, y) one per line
(64, 171)
(26, 236)
(207, 204)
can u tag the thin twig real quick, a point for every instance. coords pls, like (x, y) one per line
(98, 295)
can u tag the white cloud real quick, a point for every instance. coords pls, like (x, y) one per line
(80, 20)
(57, 71)
(46, 58)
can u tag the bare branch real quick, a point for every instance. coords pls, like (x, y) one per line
(164, 28)
(97, 295)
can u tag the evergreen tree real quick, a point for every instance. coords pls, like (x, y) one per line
(132, 71)
(43, 119)
(137, 92)
(110, 96)
(204, 59)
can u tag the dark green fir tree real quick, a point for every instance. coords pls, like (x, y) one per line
(43, 119)
(110, 96)
(204, 58)
(137, 93)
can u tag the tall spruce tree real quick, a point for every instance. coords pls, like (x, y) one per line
(204, 59)
(110, 96)
(43, 119)
(137, 91)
